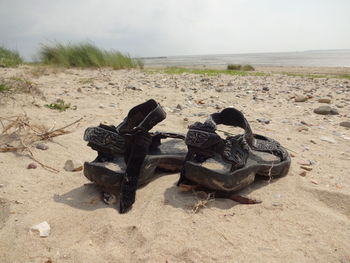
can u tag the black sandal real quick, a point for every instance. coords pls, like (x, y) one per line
(230, 164)
(128, 154)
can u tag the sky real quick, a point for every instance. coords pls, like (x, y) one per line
(177, 27)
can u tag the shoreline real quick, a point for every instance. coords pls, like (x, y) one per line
(267, 69)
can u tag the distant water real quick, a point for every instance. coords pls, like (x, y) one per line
(326, 58)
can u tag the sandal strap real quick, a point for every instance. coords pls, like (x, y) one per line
(142, 117)
(135, 128)
(265, 144)
(139, 148)
(232, 117)
(104, 139)
(202, 137)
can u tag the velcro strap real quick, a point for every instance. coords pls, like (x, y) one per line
(201, 139)
(142, 117)
(236, 151)
(232, 117)
(265, 144)
(139, 149)
(106, 139)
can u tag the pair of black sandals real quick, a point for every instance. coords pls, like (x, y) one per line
(129, 155)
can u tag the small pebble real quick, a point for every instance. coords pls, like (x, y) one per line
(302, 128)
(73, 166)
(324, 100)
(264, 121)
(179, 107)
(32, 166)
(327, 139)
(326, 110)
(303, 173)
(42, 146)
(43, 228)
(300, 98)
(313, 181)
(307, 168)
(345, 124)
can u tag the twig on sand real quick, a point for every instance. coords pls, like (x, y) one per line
(204, 195)
(49, 168)
(20, 131)
(203, 199)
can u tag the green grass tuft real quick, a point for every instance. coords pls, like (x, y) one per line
(240, 67)
(9, 58)
(234, 67)
(60, 105)
(4, 88)
(18, 85)
(248, 68)
(86, 55)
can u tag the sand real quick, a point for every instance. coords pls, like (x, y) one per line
(300, 219)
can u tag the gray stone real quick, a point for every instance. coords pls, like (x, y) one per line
(326, 110)
(324, 100)
(262, 120)
(32, 166)
(200, 114)
(73, 166)
(133, 88)
(345, 124)
(327, 139)
(300, 98)
(266, 89)
(42, 146)
(179, 107)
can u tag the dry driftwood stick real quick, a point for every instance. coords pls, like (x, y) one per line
(23, 130)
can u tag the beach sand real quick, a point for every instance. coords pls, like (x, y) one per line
(301, 218)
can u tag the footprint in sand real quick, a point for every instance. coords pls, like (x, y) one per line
(337, 201)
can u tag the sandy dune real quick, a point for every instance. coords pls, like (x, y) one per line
(300, 219)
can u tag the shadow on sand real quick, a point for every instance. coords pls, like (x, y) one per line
(89, 197)
(186, 200)
(85, 197)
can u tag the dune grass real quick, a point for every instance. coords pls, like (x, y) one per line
(248, 68)
(4, 87)
(316, 76)
(209, 72)
(9, 58)
(60, 105)
(18, 85)
(86, 56)
(234, 67)
(240, 67)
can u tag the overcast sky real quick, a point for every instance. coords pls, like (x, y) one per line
(177, 27)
